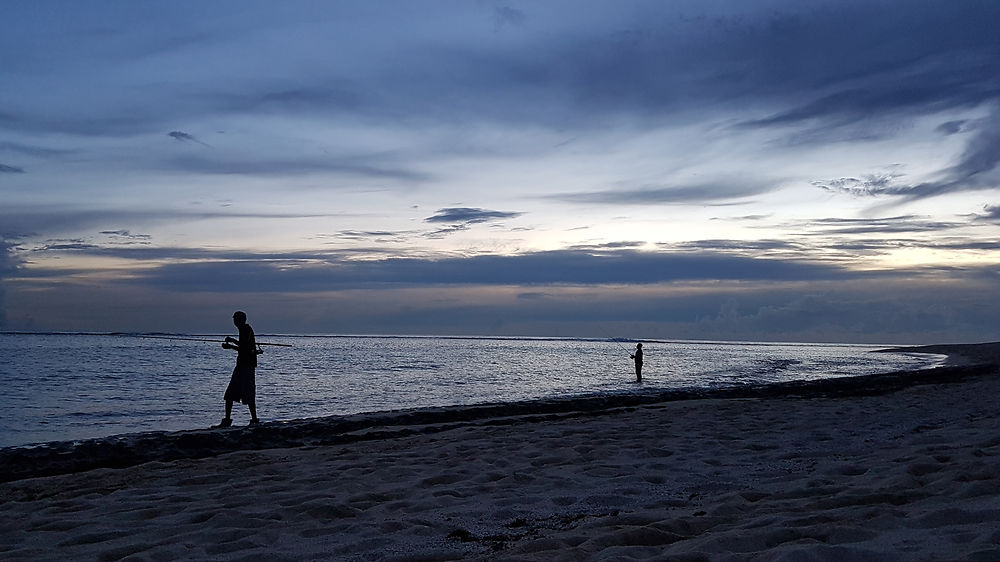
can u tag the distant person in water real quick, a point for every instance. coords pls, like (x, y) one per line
(243, 386)
(637, 357)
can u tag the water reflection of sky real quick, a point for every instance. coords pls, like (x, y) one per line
(66, 386)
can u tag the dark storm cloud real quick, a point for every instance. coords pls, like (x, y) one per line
(467, 215)
(5, 169)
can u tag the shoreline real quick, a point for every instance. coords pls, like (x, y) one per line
(896, 468)
(120, 451)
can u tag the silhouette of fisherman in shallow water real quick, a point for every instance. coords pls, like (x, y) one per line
(637, 357)
(243, 385)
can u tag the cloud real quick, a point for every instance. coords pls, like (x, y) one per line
(991, 213)
(185, 137)
(460, 219)
(380, 236)
(66, 245)
(467, 216)
(867, 185)
(940, 58)
(271, 273)
(886, 225)
(951, 127)
(735, 245)
(874, 309)
(858, 312)
(694, 194)
(46, 220)
(504, 16)
(292, 166)
(315, 97)
(621, 245)
(36, 151)
(9, 264)
(582, 70)
(975, 169)
(127, 237)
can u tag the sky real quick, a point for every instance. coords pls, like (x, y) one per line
(778, 170)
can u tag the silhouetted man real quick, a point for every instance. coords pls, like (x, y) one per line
(243, 386)
(637, 356)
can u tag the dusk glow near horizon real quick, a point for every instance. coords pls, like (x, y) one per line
(773, 171)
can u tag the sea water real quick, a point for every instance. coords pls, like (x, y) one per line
(58, 387)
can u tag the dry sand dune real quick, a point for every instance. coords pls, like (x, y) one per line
(910, 474)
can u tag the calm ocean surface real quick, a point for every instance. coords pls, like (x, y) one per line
(73, 386)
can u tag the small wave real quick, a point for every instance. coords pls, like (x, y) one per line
(416, 366)
(782, 364)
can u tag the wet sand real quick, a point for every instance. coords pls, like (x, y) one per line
(895, 467)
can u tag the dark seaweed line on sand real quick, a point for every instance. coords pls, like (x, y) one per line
(66, 457)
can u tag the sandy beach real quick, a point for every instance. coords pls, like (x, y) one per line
(887, 472)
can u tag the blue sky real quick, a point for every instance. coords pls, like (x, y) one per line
(775, 170)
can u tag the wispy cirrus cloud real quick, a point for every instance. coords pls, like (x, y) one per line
(32, 150)
(887, 225)
(291, 166)
(976, 168)
(32, 220)
(873, 184)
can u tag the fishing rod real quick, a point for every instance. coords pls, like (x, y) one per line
(620, 345)
(205, 340)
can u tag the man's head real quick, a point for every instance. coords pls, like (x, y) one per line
(239, 318)
(638, 346)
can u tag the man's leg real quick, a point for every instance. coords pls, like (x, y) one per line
(228, 420)
(253, 411)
